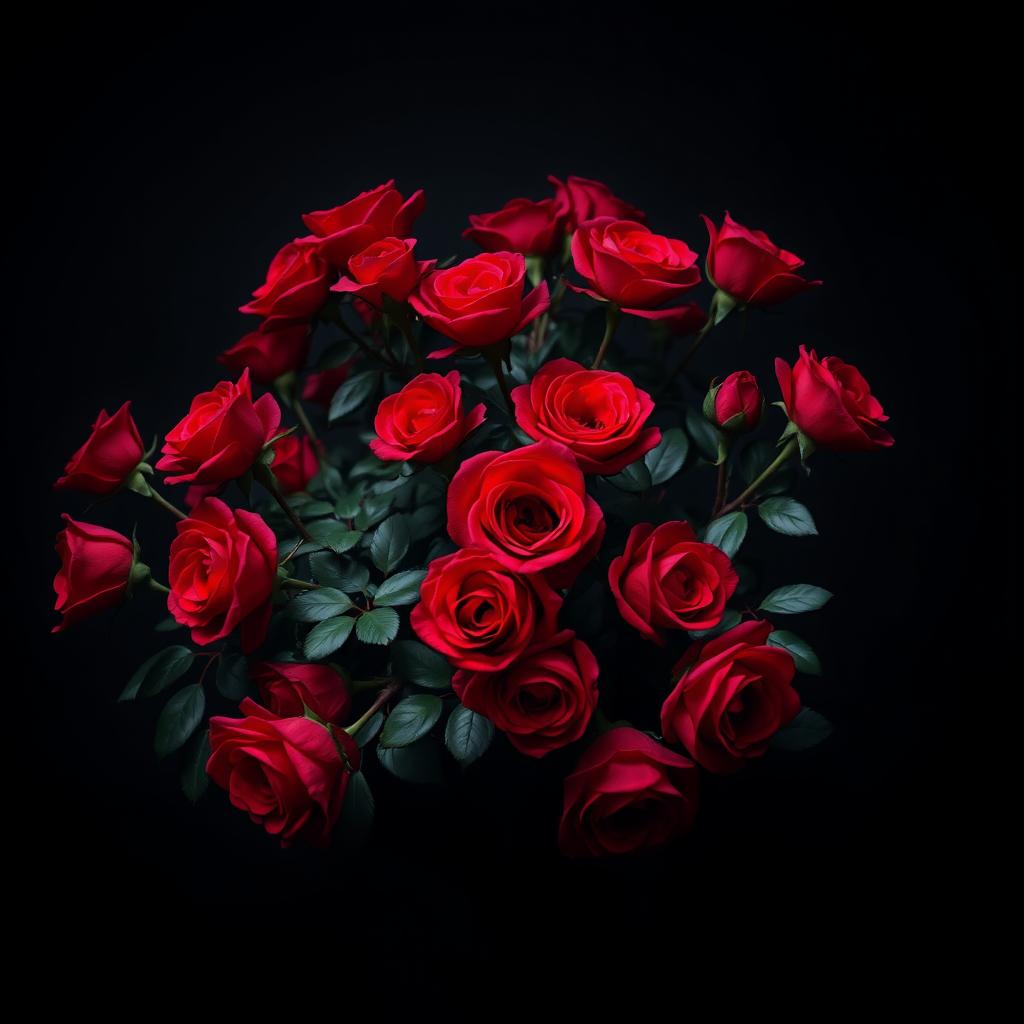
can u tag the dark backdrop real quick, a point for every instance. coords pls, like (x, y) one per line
(159, 171)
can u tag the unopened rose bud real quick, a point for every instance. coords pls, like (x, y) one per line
(735, 405)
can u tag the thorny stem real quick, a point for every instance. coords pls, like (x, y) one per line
(382, 698)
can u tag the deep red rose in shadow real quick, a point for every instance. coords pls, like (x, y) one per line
(521, 225)
(582, 199)
(270, 351)
(295, 463)
(297, 284)
(287, 688)
(320, 387)
(96, 564)
(108, 457)
(387, 267)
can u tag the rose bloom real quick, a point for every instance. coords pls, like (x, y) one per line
(832, 403)
(347, 229)
(626, 263)
(287, 774)
(109, 456)
(297, 284)
(320, 387)
(95, 568)
(295, 463)
(748, 266)
(734, 693)
(667, 579)
(598, 415)
(288, 688)
(738, 395)
(269, 352)
(529, 508)
(480, 301)
(581, 199)
(542, 701)
(424, 421)
(627, 793)
(222, 568)
(222, 435)
(521, 225)
(481, 616)
(387, 267)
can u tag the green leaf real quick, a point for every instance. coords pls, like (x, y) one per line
(788, 516)
(806, 730)
(168, 625)
(634, 479)
(727, 532)
(426, 520)
(327, 636)
(179, 718)
(410, 719)
(390, 543)
(334, 535)
(368, 731)
(377, 627)
(158, 672)
(356, 819)
(416, 663)
(317, 605)
(730, 619)
(794, 599)
(668, 457)
(352, 394)
(347, 576)
(467, 734)
(193, 766)
(233, 675)
(419, 762)
(804, 658)
(316, 509)
(402, 588)
(703, 435)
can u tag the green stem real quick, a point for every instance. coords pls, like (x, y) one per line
(610, 323)
(405, 326)
(382, 698)
(788, 449)
(153, 585)
(367, 349)
(288, 581)
(164, 503)
(265, 475)
(721, 487)
(303, 418)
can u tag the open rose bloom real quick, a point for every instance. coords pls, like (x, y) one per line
(505, 499)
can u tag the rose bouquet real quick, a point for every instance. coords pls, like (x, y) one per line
(382, 563)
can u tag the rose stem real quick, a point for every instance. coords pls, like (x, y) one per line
(303, 418)
(610, 323)
(385, 695)
(158, 586)
(721, 488)
(288, 581)
(499, 376)
(538, 336)
(413, 342)
(371, 352)
(265, 475)
(164, 503)
(788, 449)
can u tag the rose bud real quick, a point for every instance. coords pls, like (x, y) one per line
(288, 688)
(347, 229)
(734, 693)
(223, 563)
(269, 352)
(521, 225)
(288, 774)
(580, 199)
(95, 571)
(222, 435)
(481, 616)
(736, 404)
(667, 579)
(295, 463)
(480, 301)
(831, 403)
(627, 793)
(749, 267)
(297, 285)
(529, 508)
(599, 416)
(320, 387)
(542, 701)
(387, 267)
(108, 458)
(424, 421)
(626, 263)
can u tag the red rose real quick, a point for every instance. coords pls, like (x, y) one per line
(387, 267)
(95, 568)
(748, 266)
(479, 615)
(288, 774)
(287, 688)
(424, 421)
(581, 199)
(529, 508)
(222, 568)
(270, 351)
(734, 694)
(626, 263)
(347, 229)
(521, 225)
(110, 455)
(667, 579)
(222, 435)
(480, 301)
(542, 701)
(627, 793)
(599, 416)
(738, 395)
(832, 403)
(295, 463)
(320, 387)
(297, 284)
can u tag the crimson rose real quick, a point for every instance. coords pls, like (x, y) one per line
(270, 351)
(627, 793)
(581, 199)
(387, 267)
(521, 225)
(734, 694)
(288, 688)
(95, 568)
(109, 456)
(295, 462)
(738, 396)
(297, 284)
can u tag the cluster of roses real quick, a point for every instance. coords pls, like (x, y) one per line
(522, 519)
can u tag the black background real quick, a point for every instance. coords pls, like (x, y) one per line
(159, 169)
